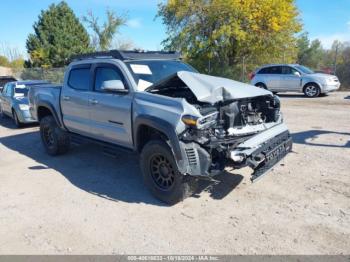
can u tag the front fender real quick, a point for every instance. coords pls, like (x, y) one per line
(165, 128)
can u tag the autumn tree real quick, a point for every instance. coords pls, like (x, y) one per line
(105, 33)
(58, 35)
(228, 32)
(4, 61)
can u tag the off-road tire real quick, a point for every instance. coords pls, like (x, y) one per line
(16, 120)
(181, 187)
(315, 90)
(55, 140)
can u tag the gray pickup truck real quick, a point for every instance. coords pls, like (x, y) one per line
(185, 125)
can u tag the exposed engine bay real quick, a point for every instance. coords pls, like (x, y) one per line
(225, 124)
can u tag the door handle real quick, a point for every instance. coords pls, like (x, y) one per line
(93, 101)
(66, 98)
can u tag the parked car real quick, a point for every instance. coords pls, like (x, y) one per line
(14, 101)
(4, 80)
(184, 125)
(294, 78)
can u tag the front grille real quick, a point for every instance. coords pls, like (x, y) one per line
(191, 156)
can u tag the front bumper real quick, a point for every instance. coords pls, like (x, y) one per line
(260, 152)
(330, 88)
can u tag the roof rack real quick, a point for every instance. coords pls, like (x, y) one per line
(129, 55)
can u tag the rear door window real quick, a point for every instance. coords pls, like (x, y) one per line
(8, 91)
(79, 78)
(271, 70)
(275, 70)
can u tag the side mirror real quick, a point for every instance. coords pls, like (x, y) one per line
(113, 86)
(296, 73)
(1, 88)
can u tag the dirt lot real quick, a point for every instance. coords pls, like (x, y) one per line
(86, 202)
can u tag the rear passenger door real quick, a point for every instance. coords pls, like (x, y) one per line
(110, 111)
(272, 77)
(74, 99)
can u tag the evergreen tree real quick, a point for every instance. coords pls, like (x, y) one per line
(58, 34)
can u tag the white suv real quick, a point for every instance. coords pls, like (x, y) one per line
(294, 78)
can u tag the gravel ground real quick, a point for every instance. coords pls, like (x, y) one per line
(88, 203)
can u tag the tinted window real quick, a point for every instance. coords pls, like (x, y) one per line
(264, 70)
(271, 70)
(287, 70)
(21, 91)
(79, 78)
(8, 91)
(105, 74)
(304, 69)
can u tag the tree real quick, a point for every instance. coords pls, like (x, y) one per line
(310, 54)
(4, 61)
(58, 35)
(106, 32)
(227, 32)
(123, 44)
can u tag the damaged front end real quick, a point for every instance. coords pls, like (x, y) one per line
(247, 132)
(237, 131)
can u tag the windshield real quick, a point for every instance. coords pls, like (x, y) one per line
(21, 91)
(148, 72)
(304, 69)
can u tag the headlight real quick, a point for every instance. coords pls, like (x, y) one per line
(190, 120)
(23, 107)
(201, 122)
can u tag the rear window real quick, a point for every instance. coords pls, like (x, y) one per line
(79, 78)
(271, 70)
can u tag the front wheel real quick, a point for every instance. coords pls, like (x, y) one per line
(161, 175)
(312, 90)
(55, 140)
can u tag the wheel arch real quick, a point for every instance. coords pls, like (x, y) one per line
(312, 83)
(147, 127)
(45, 109)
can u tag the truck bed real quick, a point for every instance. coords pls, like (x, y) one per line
(45, 94)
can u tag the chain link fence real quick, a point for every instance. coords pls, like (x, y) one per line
(54, 75)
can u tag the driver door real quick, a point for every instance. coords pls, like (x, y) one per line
(110, 112)
(290, 80)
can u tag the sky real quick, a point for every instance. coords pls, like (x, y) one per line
(323, 19)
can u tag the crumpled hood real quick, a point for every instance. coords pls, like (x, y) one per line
(213, 89)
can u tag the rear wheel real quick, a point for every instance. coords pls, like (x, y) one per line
(312, 90)
(15, 119)
(55, 140)
(161, 175)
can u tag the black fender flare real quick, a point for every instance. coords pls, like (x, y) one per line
(51, 108)
(167, 129)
